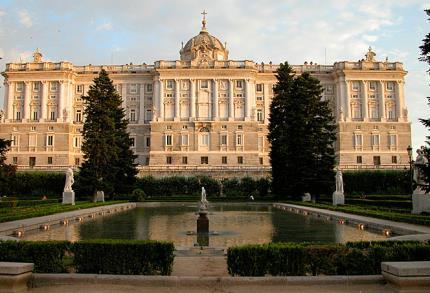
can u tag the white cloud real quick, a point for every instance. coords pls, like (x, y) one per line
(370, 38)
(2, 12)
(25, 19)
(107, 26)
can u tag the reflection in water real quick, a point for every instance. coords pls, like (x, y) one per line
(235, 224)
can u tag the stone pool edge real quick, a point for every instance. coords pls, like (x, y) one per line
(9, 228)
(399, 228)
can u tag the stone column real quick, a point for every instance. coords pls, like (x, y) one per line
(124, 95)
(347, 100)
(193, 99)
(177, 98)
(44, 101)
(266, 103)
(161, 100)
(364, 100)
(10, 99)
(155, 100)
(27, 97)
(216, 106)
(142, 104)
(247, 100)
(5, 101)
(61, 101)
(231, 100)
(382, 101)
(400, 100)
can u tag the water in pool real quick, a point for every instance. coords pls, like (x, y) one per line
(233, 223)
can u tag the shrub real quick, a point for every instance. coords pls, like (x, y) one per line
(47, 256)
(138, 195)
(292, 259)
(128, 257)
(377, 182)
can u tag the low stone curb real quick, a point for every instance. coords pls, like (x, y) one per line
(40, 280)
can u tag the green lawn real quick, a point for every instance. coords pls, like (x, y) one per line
(23, 212)
(387, 213)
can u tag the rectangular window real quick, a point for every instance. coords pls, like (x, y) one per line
(35, 115)
(239, 139)
(394, 159)
(170, 84)
(49, 160)
(50, 140)
(15, 160)
(240, 160)
(374, 112)
(18, 115)
(133, 142)
(204, 160)
(358, 140)
(329, 89)
(260, 98)
(390, 97)
(53, 86)
(372, 97)
(261, 160)
(239, 84)
(392, 139)
(52, 115)
(259, 87)
(355, 85)
(15, 140)
(240, 127)
(391, 113)
(36, 86)
(77, 161)
(359, 160)
(204, 84)
(376, 160)
(79, 89)
(148, 87)
(372, 85)
(148, 115)
(33, 128)
(35, 97)
(239, 95)
(223, 139)
(132, 115)
(78, 116)
(77, 142)
(133, 88)
(375, 140)
(260, 117)
(224, 160)
(355, 96)
(204, 140)
(185, 160)
(390, 86)
(184, 139)
(19, 86)
(168, 140)
(168, 160)
(52, 97)
(148, 141)
(32, 161)
(223, 126)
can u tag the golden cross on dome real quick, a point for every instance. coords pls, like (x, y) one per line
(204, 20)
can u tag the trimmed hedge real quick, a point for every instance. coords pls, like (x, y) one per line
(34, 184)
(47, 256)
(26, 203)
(125, 257)
(299, 259)
(377, 182)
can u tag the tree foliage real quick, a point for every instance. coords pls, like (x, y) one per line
(7, 171)
(425, 56)
(108, 159)
(302, 135)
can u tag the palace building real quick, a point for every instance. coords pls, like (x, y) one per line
(203, 113)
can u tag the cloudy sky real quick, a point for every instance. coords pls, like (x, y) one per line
(112, 31)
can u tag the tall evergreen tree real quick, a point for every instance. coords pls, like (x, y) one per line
(302, 135)
(425, 56)
(108, 160)
(7, 171)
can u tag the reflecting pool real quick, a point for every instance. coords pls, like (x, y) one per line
(230, 224)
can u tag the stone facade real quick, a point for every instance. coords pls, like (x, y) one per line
(203, 113)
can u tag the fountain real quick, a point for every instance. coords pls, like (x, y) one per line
(203, 221)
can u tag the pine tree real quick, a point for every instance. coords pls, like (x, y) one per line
(108, 160)
(302, 135)
(425, 56)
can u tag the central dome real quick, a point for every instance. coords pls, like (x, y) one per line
(204, 47)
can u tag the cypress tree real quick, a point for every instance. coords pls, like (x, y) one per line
(108, 160)
(302, 134)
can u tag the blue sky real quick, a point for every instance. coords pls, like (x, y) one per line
(107, 31)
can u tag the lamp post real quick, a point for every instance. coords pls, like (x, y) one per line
(409, 149)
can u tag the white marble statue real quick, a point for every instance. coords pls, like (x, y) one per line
(419, 162)
(69, 180)
(203, 205)
(339, 182)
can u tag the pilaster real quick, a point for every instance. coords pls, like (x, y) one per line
(382, 101)
(44, 101)
(142, 104)
(365, 111)
(193, 99)
(216, 106)
(231, 100)
(177, 97)
(161, 100)
(27, 97)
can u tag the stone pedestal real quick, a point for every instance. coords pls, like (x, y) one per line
(69, 197)
(420, 201)
(100, 196)
(15, 276)
(412, 276)
(306, 197)
(338, 198)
